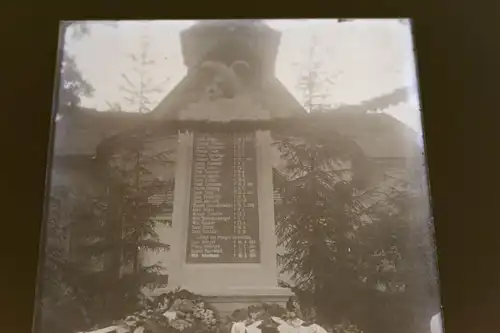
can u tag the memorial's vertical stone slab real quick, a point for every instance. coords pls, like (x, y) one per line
(240, 258)
(223, 218)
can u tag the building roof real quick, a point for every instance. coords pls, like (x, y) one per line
(80, 131)
(378, 134)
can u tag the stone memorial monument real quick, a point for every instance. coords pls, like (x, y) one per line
(223, 200)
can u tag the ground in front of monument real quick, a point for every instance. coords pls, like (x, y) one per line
(238, 176)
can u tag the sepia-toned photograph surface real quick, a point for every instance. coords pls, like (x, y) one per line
(237, 176)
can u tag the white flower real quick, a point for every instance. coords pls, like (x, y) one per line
(171, 315)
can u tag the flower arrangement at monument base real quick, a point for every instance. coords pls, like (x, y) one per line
(174, 312)
(273, 318)
(191, 316)
(346, 327)
(184, 312)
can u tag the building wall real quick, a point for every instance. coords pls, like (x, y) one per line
(378, 172)
(73, 187)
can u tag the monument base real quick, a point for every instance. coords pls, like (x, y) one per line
(227, 304)
(230, 299)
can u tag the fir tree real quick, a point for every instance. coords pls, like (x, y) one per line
(96, 275)
(353, 252)
(318, 215)
(350, 247)
(401, 250)
(141, 90)
(60, 300)
(125, 227)
(59, 306)
(314, 82)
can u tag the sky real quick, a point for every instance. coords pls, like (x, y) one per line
(368, 58)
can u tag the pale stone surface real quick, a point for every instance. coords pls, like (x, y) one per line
(228, 280)
(241, 107)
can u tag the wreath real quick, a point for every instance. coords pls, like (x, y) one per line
(272, 318)
(175, 312)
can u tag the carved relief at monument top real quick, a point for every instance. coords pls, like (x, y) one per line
(230, 75)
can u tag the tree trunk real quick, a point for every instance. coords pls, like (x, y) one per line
(114, 226)
(113, 259)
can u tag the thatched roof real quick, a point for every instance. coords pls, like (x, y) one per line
(80, 131)
(379, 135)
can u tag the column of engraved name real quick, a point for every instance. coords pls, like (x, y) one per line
(224, 221)
(244, 245)
(208, 204)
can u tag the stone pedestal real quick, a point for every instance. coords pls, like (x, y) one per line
(227, 285)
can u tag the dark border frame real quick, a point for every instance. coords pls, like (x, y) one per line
(458, 66)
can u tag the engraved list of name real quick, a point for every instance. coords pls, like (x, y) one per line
(224, 222)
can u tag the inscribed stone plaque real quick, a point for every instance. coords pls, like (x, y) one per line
(223, 216)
